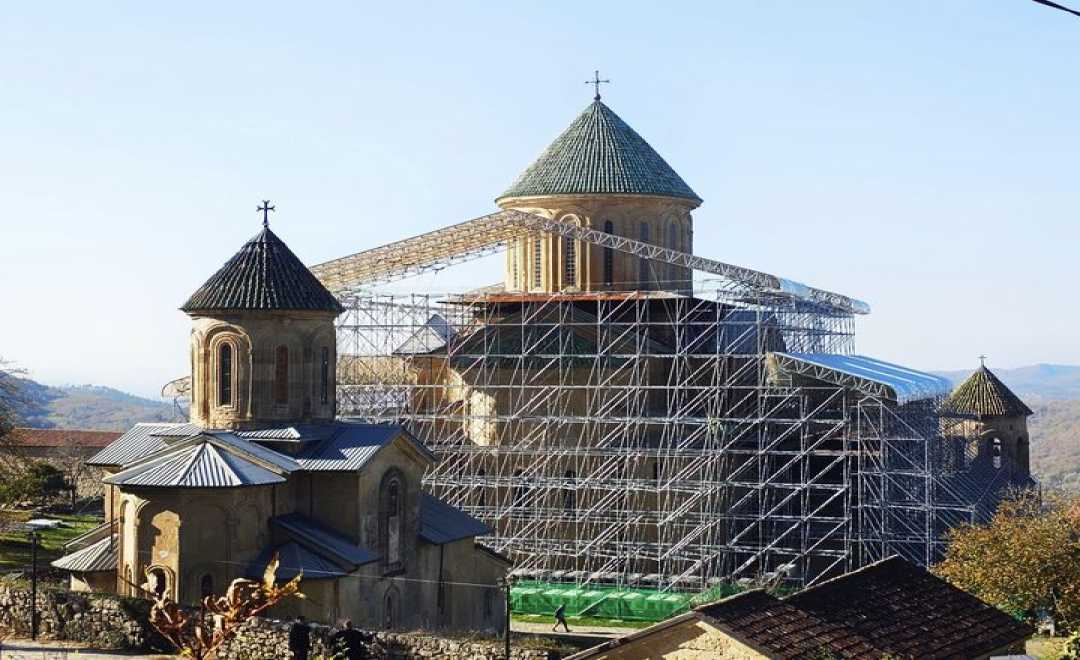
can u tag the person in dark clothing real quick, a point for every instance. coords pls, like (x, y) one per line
(560, 617)
(300, 639)
(350, 642)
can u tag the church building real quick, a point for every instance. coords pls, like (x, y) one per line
(263, 468)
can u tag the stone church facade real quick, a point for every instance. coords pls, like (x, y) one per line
(264, 469)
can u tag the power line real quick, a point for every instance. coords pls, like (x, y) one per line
(1057, 6)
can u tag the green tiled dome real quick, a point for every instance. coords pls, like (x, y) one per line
(600, 154)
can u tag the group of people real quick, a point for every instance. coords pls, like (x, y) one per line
(348, 641)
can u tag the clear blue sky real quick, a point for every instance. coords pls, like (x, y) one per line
(919, 155)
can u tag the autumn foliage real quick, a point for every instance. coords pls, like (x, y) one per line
(1026, 561)
(198, 634)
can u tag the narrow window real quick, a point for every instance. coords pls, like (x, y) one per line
(515, 282)
(324, 376)
(391, 616)
(609, 255)
(483, 488)
(281, 376)
(569, 261)
(536, 263)
(391, 505)
(643, 265)
(206, 585)
(569, 494)
(225, 357)
(997, 453)
(489, 603)
(519, 489)
(673, 241)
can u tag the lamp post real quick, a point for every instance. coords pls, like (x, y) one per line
(34, 538)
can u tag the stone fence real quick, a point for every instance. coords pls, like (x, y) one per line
(114, 622)
(261, 639)
(102, 620)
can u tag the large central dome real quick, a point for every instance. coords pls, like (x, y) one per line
(600, 154)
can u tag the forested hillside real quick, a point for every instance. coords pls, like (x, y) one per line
(85, 407)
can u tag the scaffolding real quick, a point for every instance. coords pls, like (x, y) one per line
(649, 439)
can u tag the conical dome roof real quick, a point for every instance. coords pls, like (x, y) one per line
(599, 153)
(263, 275)
(984, 395)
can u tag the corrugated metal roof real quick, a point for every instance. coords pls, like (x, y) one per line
(600, 153)
(434, 335)
(291, 433)
(263, 275)
(442, 523)
(323, 539)
(100, 556)
(198, 466)
(292, 559)
(352, 447)
(141, 440)
(906, 385)
(255, 450)
(984, 395)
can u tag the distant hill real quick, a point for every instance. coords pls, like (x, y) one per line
(85, 407)
(1046, 381)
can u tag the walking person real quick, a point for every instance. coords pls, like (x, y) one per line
(560, 617)
(350, 642)
(300, 639)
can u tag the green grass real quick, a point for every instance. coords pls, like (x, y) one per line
(581, 621)
(15, 546)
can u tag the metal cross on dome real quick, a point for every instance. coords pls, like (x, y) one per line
(596, 82)
(982, 360)
(265, 210)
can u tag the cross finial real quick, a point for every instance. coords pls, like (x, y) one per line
(595, 82)
(265, 210)
(982, 360)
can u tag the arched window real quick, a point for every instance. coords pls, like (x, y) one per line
(391, 521)
(997, 452)
(206, 585)
(520, 489)
(569, 261)
(225, 374)
(281, 375)
(673, 242)
(609, 255)
(158, 581)
(324, 376)
(643, 264)
(514, 279)
(537, 260)
(482, 497)
(569, 495)
(391, 609)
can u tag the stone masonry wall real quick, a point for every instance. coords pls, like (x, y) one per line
(262, 639)
(102, 620)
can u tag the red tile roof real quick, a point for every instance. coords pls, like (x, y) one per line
(62, 437)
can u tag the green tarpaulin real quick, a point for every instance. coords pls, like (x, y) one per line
(599, 602)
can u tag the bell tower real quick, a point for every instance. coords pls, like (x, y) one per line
(263, 347)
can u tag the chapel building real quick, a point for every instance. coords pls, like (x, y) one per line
(263, 468)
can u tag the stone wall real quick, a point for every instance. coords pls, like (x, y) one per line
(262, 639)
(102, 620)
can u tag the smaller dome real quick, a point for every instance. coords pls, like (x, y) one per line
(600, 154)
(984, 395)
(263, 275)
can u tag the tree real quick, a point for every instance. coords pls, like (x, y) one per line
(199, 634)
(1025, 561)
(36, 480)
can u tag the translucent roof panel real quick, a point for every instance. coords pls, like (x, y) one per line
(901, 384)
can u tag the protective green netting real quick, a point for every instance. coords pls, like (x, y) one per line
(606, 602)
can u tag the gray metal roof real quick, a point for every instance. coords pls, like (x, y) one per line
(323, 540)
(434, 335)
(263, 275)
(442, 523)
(862, 373)
(290, 433)
(201, 465)
(597, 154)
(96, 557)
(293, 559)
(254, 450)
(141, 440)
(353, 446)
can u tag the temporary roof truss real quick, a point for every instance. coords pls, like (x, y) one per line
(490, 233)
